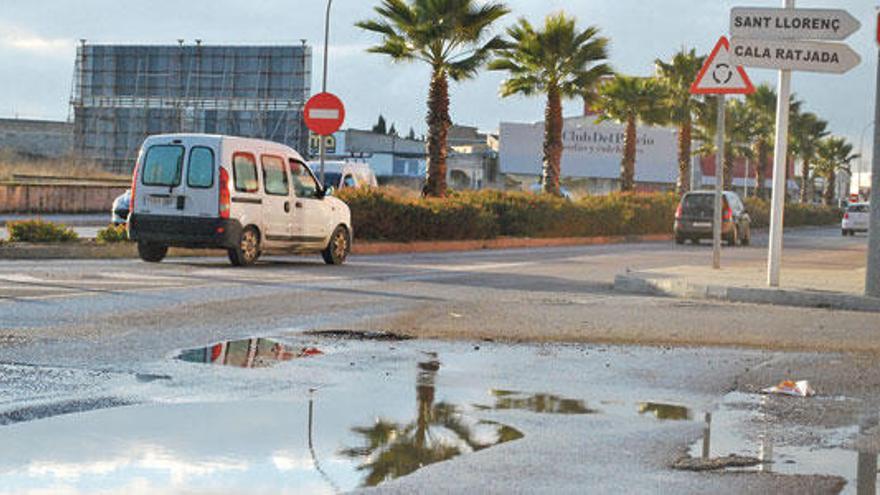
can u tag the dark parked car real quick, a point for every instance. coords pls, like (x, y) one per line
(693, 219)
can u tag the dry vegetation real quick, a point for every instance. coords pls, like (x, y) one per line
(12, 163)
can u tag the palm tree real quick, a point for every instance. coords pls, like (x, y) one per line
(560, 61)
(449, 36)
(761, 106)
(630, 101)
(738, 133)
(832, 154)
(806, 131)
(677, 77)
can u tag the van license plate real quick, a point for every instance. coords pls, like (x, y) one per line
(702, 224)
(159, 201)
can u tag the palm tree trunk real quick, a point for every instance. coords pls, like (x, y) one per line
(628, 165)
(684, 158)
(552, 142)
(438, 129)
(763, 153)
(728, 168)
(830, 186)
(805, 181)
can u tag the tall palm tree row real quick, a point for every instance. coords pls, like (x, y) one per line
(832, 154)
(558, 60)
(806, 132)
(630, 101)
(677, 75)
(451, 37)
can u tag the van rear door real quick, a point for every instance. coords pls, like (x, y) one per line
(160, 174)
(201, 183)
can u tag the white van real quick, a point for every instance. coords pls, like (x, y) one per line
(345, 175)
(242, 195)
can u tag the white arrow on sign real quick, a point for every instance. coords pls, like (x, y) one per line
(808, 56)
(782, 24)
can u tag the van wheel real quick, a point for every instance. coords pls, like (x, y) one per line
(248, 249)
(339, 247)
(679, 240)
(152, 253)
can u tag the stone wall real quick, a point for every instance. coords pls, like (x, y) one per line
(36, 138)
(28, 198)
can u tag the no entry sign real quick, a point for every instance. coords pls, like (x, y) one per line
(324, 114)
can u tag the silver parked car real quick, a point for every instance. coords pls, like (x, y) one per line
(120, 209)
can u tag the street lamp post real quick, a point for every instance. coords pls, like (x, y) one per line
(862, 155)
(323, 140)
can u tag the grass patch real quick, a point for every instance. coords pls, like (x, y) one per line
(38, 231)
(112, 234)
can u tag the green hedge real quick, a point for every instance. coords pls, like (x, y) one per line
(112, 234)
(796, 214)
(380, 215)
(39, 231)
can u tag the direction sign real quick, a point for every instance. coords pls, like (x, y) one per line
(719, 76)
(324, 114)
(810, 56)
(782, 24)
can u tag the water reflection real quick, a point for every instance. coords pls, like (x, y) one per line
(538, 403)
(439, 432)
(665, 411)
(247, 353)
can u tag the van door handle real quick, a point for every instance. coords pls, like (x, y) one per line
(181, 202)
(287, 207)
(299, 204)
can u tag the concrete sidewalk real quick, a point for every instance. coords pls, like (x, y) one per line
(838, 286)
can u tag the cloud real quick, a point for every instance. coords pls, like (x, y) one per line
(14, 38)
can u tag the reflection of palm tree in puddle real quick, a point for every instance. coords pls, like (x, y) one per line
(439, 433)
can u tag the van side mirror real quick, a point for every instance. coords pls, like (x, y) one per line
(328, 191)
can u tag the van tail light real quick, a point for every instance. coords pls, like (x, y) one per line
(678, 212)
(134, 176)
(846, 216)
(224, 202)
(728, 214)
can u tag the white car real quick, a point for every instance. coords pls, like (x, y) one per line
(346, 175)
(242, 195)
(856, 219)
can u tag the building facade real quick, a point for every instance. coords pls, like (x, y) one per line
(123, 93)
(36, 138)
(387, 154)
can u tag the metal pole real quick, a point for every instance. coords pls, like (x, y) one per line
(323, 146)
(746, 179)
(862, 156)
(780, 166)
(719, 186)
(872, 278)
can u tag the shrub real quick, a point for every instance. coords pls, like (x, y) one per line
(380, 215)
(796, 214)
(112, 234)
(39, 231)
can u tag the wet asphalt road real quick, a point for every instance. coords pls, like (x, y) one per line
(84, 344)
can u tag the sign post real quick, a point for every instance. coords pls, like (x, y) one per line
(872, 277)
(719, 77)
(324, 114)
(772, 39)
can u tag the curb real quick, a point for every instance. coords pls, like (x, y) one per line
(90, 250)
(682, 289)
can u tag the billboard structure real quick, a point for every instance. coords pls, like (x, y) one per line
(592, 150)
(124, 93)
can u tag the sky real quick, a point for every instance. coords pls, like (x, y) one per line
(38, 40)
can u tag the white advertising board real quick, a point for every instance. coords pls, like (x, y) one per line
(591, 150)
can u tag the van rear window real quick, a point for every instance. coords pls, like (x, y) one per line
(858, 209)
(697, 202)
(162, 165)
(200, 174)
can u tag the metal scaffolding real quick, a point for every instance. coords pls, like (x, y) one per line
(124, 93)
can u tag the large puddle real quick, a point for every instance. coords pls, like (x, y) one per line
(741, 427)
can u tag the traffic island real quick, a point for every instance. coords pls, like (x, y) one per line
(826, 289)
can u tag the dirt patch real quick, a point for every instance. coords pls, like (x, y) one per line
(381, 336)
(689, 463)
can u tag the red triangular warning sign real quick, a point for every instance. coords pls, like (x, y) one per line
(719, 77)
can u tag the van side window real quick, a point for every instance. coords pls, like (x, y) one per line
(163, 165)
(304, 184)
(244, 167)
(274, 176)
(200, 174)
